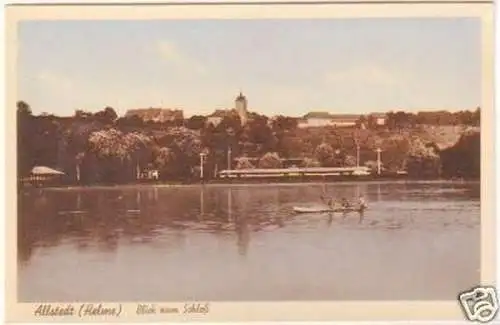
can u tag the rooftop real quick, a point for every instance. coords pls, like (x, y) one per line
(326, 115)
(222, 113)
(44, 170)
(241, 96)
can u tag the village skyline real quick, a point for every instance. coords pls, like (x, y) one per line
(186, 113)
(245, 114)
(288, 67)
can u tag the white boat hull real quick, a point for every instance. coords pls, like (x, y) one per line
(325, 209)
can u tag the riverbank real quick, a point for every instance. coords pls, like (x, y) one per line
(254, 184)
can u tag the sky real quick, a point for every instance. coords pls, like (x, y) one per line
(287, 66)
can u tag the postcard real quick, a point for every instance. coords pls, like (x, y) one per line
(250, 162)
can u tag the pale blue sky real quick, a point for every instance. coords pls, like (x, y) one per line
(283, 66)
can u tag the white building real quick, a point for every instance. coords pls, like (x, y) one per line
(241, 106)
(380, 119)
(322, 119)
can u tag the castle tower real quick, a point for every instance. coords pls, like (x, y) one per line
(241, 105)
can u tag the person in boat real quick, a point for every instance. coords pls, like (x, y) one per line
(362, 203)
(345, 204)
(330, 202)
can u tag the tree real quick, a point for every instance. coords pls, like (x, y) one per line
(133, 122)
(464, 158)
(23, 108)
(82, 115)
(25, 135)
(164, 160)
(395, 148)
(362, 122)
(140, 148)
(270, 160)
(244, 163)
(423, 161)
(310, 162)
(372, 165)
(78, 159)
(350, 161)
(324, 154)
(291, 146)
(476, 117)
(110, 114)
(401, 120)
(116, 153)
(186, 146)
(283, 123)
(196, 122)
(223, 141)
(45, 133)
(258, 132)
(371, 122)
(108, 144)
(107, 115)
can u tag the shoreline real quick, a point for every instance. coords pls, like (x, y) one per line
(215, 184)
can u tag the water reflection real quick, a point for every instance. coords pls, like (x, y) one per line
(249, 221)
(229, 205)
(361, 216)
(202, 203)
(138, 215)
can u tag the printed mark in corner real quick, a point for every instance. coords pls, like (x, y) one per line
(479, 304)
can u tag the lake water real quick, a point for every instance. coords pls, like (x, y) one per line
(220, 242)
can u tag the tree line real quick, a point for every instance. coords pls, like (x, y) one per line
(102, 147)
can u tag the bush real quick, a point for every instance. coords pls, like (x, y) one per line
(423, 160)
(310, 162)
(270, 160)
(324, 154)
(244, 163)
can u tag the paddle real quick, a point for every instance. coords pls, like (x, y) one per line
(323, 195)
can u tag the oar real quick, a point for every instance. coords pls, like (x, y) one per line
(323, 191)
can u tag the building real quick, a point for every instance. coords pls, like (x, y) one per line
(322, 119)
(158, 115)
(379, 119)
(43, 176)
(296, 172)
(216, 117)
(345, 120)
(315, 119)
(241, 107)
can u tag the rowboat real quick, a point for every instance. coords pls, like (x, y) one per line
(326, 209)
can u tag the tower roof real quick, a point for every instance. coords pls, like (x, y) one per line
(241, 96)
